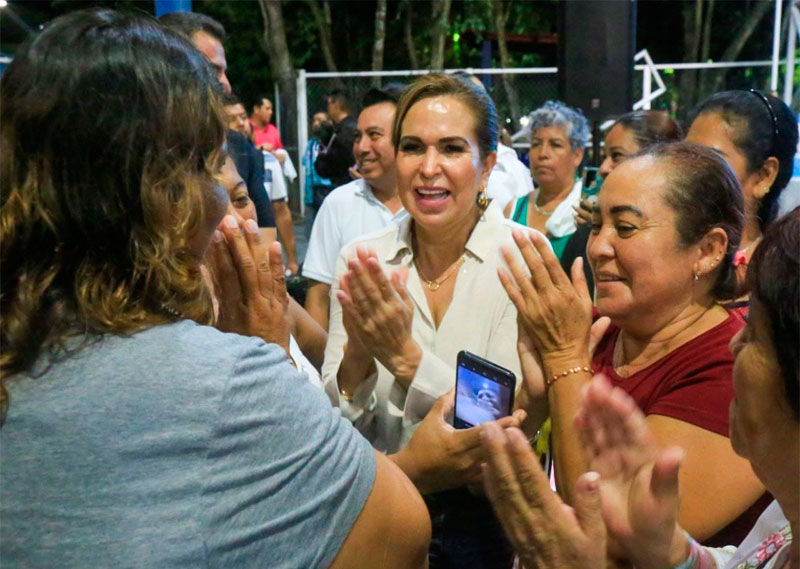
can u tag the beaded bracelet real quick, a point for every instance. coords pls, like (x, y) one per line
(694, 551)
(556, 376)
(698, 557)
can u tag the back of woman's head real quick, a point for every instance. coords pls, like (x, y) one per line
(110, 126)
(704, 193)
(650, 127)
(476, 99)
(762, 126)
(774, 278)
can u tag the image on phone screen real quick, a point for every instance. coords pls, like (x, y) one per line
(479, 399)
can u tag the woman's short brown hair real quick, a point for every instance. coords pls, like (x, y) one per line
(477, 100)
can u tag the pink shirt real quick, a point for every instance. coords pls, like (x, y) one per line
(267, 135)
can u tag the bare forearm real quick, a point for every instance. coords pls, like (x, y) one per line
(564, 397)
(536, 410)
(309, 334)
(318, 303)
(354, 369)
(283, 220)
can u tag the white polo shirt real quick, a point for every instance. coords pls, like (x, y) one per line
(349, 212)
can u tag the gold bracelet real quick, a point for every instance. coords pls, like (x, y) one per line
(556, 376)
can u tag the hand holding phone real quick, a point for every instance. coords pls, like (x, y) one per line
(484, 391)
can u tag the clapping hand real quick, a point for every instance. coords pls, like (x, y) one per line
(545, 532)
(639, 481)
(250, 283)
(556, 313)
(377, 314)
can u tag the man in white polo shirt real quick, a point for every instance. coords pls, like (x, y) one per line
(360, 207)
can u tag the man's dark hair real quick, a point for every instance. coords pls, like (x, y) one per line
(231, 98)
(259, 100)
(188, 23)
(389, 93)
(340, 98)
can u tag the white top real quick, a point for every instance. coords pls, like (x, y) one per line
(302, 363)
(769, 540)
(273, 177)
(480, 319)
(509, 179)
(347, 213)
(562, 221)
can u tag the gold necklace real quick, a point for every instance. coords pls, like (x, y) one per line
(434, 285)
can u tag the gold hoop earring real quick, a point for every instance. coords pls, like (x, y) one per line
(483, 199)
(696, 277)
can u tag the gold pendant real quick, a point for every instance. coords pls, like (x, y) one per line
(433, 285)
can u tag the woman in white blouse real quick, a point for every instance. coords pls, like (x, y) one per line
(406, 300)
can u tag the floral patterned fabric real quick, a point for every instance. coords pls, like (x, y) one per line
(765, 547)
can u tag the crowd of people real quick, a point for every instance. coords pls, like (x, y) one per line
(164, 402)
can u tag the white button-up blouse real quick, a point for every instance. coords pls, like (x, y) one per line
(481, 319)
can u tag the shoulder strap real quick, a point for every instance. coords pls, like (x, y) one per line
(521, 210)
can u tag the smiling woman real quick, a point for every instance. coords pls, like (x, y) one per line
(407, 300)
(663, 239)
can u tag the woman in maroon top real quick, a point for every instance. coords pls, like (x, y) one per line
(664, 234)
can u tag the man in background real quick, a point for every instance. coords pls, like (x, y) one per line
(357, 208)
(265, 134)
(336, 158)
(273, 181)
(207, 36)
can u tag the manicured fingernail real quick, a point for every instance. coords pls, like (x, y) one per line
(217, 236)
(251, 226)
(231, 222)
(592, 481)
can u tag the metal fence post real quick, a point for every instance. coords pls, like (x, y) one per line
(776, 47)
(302, 134)
(788, 77)
(277, 107)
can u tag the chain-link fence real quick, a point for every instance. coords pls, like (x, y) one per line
(516, 92)
(688, 84)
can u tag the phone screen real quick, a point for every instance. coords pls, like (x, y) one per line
(480, 397)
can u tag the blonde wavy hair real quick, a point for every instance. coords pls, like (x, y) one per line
(110, 134)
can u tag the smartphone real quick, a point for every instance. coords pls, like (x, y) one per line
(484, 391)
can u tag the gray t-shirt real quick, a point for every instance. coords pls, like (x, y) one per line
(178, 446)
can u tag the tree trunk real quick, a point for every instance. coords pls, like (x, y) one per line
(705, 52)
(740, 39)
(692, 30)
(441, 17)
(322, 18)
(409, 37)
(501, 10)
(281, 65)
(380, 39)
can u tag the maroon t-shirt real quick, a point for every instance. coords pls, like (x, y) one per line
(693, 383)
